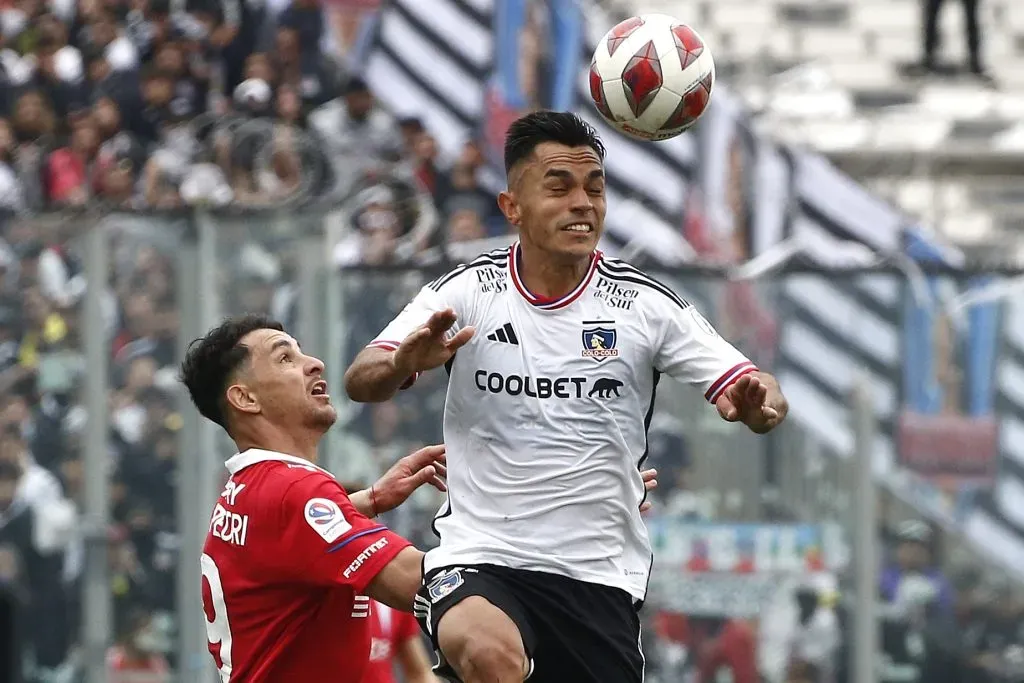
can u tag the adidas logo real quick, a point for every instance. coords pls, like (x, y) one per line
(504, 334)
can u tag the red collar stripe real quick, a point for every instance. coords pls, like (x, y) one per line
(542, 302)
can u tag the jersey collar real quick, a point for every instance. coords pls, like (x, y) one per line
(542, 302)
(252, 456)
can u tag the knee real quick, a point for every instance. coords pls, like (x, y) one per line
(491, 659)
(482, 643)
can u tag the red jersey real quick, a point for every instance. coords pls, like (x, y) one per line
(285, 562)
(391, 629)
(124, 669)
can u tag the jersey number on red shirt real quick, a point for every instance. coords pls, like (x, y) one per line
(218, 629)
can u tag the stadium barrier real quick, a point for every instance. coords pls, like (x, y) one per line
(172, 276)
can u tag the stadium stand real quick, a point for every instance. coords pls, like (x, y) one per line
(136, 114)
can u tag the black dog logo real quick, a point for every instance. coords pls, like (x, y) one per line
(605, 387)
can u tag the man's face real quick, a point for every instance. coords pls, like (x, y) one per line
(912, 556)
(282, 383)
(359, 103)
(556, 199)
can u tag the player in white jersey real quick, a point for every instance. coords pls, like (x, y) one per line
(554, 352)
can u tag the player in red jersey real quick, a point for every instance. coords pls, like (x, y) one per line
(291, 562)
(396, 638)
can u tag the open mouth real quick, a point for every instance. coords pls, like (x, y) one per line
(579, 228)
(319, 388)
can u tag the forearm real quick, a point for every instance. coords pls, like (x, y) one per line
(363, 502)
(373, 377)
(396, 585)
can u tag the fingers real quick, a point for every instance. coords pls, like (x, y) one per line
(726, 408)
(426, 456)
(439, 484)
(423, 476)
(439, 322)
(461, 337)
(649, 475)
(756, 392)
(645, 506)
(769, 413)
(741, 385)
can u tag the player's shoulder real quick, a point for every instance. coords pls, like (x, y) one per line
(278, 480)
(627, 282)
(487, 267)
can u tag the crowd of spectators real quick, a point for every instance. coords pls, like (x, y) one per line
(138, 108)
(132, 111)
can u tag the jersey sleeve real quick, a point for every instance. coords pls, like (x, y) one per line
(689, 348)
(434, 297)
(327, 541)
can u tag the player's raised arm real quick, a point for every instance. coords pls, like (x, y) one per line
(690, 349)
(425, 335)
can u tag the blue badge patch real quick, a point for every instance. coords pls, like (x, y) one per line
(599, 342)
(445, 584)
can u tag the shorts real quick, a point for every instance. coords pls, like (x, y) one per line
(572, 630)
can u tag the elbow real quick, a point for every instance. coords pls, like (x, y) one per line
(351, 383)
(356, 387)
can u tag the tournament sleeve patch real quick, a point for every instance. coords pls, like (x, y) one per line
(326, 518)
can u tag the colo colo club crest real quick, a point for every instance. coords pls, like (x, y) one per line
(599, 339)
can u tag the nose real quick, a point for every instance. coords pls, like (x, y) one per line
(580, 199)
(314, 366)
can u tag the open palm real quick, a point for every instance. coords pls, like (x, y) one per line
(426, 348)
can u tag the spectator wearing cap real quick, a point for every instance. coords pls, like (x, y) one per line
(913, 558)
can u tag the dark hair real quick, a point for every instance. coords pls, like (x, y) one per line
(212, 360)
(539, 127)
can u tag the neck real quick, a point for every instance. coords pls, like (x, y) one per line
(549, 276)
(302, 444)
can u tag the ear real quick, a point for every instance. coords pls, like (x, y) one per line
(510, 207)
(243, 399)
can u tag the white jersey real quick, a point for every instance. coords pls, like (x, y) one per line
(547, 411)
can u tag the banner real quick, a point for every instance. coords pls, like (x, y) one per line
(694, 547)
(947, 431)
(735, 570)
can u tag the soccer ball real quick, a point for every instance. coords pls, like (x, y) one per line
(651, 77)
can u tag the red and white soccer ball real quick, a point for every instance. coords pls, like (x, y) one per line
(651, 77)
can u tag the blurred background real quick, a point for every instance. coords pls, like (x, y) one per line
(848, 212)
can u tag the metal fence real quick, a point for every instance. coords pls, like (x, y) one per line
(96, 368)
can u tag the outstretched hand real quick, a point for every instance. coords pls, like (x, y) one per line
(425, 466)
(746, 401)
(426, 348)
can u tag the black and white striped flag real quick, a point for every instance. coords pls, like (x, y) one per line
(434, 60)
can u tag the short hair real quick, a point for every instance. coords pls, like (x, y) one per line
(538, 127)
(212, 361)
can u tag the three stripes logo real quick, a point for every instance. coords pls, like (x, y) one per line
(421, 610)
(361, 607)
(504, 334)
